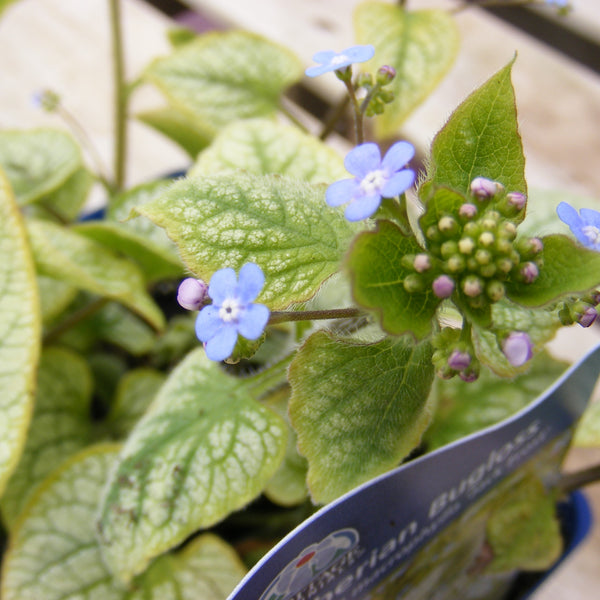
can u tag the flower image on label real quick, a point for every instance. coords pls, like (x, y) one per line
(310, 563)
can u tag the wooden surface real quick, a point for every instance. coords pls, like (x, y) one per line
(63, 45)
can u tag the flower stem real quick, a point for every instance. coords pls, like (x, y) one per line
(75, 318)
(573, 481)
(291, 116)
(314, 315)
(358, 114)
(121, 95)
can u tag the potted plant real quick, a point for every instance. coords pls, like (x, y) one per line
(195, 373)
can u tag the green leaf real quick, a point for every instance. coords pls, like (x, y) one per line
(481, 139)
(66, 202)
(540, 325)
(55, 296)
(221, 77)
(358, 409)
(20, 333)
(54, 553)
(377, 275)
(155, 263)
(568, 268)
(281, 224)
(464, 408)
(204, 450)
(205, 569)
(37, 162)
(288, 486)
(262, 147)
(588, 430)
(185, 131)
(443, 202)
(421, 46)
(60, 425)
(70, 257)
(135, 392)
(523, 531)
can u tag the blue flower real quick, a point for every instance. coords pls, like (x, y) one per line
(232, 311)
(373, 179)
(332, 61)
(585, 225)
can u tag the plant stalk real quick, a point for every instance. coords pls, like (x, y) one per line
(314, 315)
(121, 95)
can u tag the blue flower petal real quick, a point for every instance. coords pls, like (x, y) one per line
(360, 53)
(250, 282)
(324, 56)
(363, 159)
(253, 321)
(341, 192)
(362, 208)
(398, 184)
(221, 345)
(397, 156)
(208, 323)
(318, 70)
(590, 216)
(567, 214)
(222, 285)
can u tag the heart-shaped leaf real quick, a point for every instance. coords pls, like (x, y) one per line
(20, 333)
(281, 224)
(74, 259)
(37, 162)
(223, 76)
(204, 449)
(60, 425)
(54, 553)
(481, 139)
(420, 45)
(358, 409)
(378, 273)
(262, 147)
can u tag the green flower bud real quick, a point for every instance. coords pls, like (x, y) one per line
(448, 225)
(385, 74)
(472, 286)
(386, 96)
(503, 246)
(504, 265)
(407, 261)
(455, 264)
(466, 245)
(488, 271)
(471, 229)
(364, 80)
(433, 234)
(483, 257)
(413, 283)
(486, 239)
(495, 290)
(449, 248)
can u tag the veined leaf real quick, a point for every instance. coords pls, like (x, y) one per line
(481, 139)
(358, 410)
(203, 450)
(281, 224)
(20, 333)
(420, 45)
(60, 426)
(54, 553)
(37, 162)
(221, 77)
(263, 147)
(55, 296)
(87, 265)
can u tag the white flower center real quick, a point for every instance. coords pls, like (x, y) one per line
(230, 310)
(592, 233)
(339, 59)
(373, 182)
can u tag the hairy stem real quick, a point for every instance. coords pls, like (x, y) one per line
(314, 315)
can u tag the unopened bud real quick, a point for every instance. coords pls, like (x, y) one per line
(459, 360)
(529, 272)
(448, 249)
(422, 263)
(518, 348)
(192, 293)
(488, 270)
(448, 225)
(495, 290)
(455, 264)
(486, 239)
(504, 265)
(516, 200)
(469, 375)
(364, 80)
(466, 245)
(385, 74)
(467, 211)
(443, 286)
(588, 317)
(483, 257)
(472, 286)
(484, 189)
(413, 283)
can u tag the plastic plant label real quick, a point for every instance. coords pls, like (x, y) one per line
(422, 526)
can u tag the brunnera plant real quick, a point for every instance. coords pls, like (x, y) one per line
(330, 304)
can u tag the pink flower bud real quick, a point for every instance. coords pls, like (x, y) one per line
(517, 348)
(443, 286)
(467, 211)
(459, 360)
(516, 200)
(192, 293)
(588, 317)
(422, 263)
(483, 188)
(529, 272)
